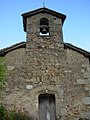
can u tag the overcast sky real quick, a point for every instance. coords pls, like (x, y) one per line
(76, 28)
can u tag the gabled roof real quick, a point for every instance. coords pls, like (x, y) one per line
(4, 51)
(42, 10)
(75, 48)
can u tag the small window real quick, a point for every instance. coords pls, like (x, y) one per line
(44, 26)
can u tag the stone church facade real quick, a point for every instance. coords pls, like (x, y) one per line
(48, 78)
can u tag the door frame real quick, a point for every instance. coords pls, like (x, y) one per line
(49, 97)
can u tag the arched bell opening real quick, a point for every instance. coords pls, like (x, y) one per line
(44, 26)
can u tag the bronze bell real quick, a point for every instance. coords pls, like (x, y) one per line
(44, 31)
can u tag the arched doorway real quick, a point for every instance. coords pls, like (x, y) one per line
(47, 107)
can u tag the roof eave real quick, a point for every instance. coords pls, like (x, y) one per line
(70, 46)
(4, 51)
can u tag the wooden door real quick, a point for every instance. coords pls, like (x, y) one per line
(47, 107)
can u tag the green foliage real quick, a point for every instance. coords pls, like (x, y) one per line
(2, 72)
(2, 112)
(12, 113)
(19, 116)
(15, 114)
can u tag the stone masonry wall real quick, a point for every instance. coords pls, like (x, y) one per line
(62, 72)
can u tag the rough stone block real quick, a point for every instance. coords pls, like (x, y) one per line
(88, 68)
(85, 115)
(10, 68)
(87, 87)
(83, 81)
(85, 65)
(89, 93)
(63, 111)
(82, 70)
(29, 87)
(86, 100)
(86, 75)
